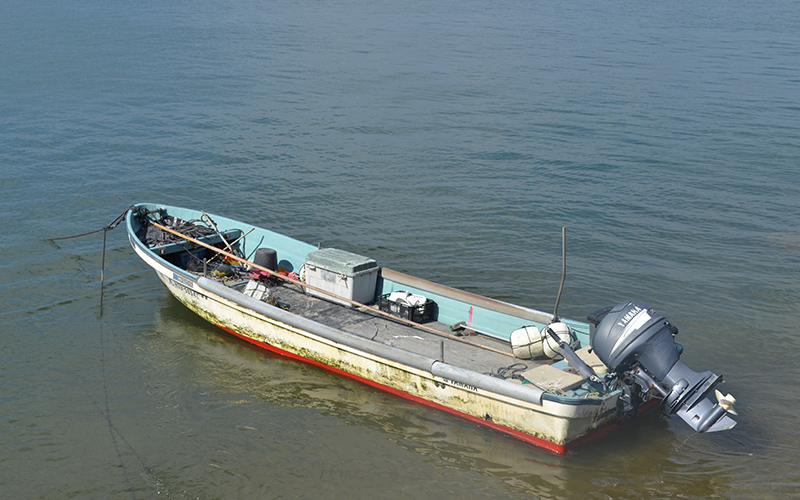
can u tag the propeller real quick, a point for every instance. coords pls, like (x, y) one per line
(727, 401)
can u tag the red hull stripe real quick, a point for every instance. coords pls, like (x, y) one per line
(542, 443)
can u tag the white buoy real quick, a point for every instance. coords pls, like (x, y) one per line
(562, 331)
(526, 343)
(529, 342)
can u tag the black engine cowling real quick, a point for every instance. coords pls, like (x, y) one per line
(632, 338)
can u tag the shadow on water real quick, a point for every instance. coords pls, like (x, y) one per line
(200, 413)
(231, 366)
(325, 417)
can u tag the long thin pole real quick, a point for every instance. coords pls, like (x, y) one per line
(563, 270)
(206, 218)
(310, 287)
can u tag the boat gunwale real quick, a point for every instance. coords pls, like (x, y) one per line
(185, 278)
(238, 297)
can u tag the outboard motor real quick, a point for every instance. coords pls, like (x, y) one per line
(634, 340)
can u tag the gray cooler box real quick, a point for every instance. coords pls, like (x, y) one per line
(345, 274)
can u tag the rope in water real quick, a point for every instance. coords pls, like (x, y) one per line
(113, 431)
(112, 225)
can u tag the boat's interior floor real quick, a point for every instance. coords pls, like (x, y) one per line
(464, 348)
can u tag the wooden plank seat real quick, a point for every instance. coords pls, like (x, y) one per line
(556, 378)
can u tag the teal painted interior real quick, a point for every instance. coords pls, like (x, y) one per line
(292, 254)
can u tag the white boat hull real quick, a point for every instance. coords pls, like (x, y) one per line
(553, 425)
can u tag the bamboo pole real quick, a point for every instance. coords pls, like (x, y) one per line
(326, 292)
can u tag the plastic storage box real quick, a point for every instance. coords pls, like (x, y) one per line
(344, 274)
(419, 313)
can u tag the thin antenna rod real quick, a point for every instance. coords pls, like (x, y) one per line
(563, 270)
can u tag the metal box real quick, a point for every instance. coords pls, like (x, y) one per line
(344, 274)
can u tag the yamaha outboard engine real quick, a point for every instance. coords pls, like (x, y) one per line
(638, 343)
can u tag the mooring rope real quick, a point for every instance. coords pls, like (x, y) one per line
(103, 272)
(113, 224)
(113, 431)
(108, 227)
(106, 410)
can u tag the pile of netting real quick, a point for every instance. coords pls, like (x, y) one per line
(155, 237)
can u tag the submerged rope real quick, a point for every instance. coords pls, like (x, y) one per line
(106, 410)
(108, 227)
(113, 431)
(102, 271)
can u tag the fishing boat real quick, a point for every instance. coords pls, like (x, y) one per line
(546, 380)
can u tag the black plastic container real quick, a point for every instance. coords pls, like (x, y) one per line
(266, 257)
(417, 314)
